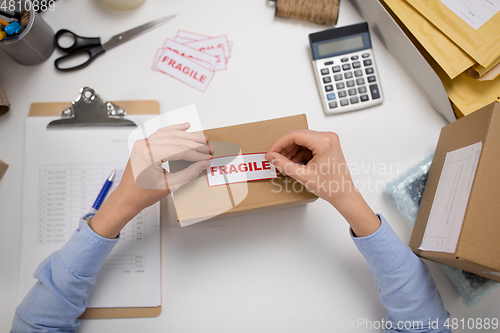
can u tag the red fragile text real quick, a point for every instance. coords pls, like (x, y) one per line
(209, 47)
(182, 54)
(184, 69)
(242, 167)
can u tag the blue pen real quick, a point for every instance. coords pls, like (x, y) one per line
(102, 195)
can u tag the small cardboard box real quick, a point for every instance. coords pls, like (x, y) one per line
(196, 201)
(3, 168)
(478, 247)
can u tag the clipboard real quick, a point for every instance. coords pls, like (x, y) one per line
(142, 107)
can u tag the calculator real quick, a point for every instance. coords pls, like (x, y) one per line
(344, 66)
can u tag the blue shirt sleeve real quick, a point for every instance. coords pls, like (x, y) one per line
(65, 278)
(406, 288)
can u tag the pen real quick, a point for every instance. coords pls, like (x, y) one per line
(102, 195)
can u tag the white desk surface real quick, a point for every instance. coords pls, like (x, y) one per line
(294, 269)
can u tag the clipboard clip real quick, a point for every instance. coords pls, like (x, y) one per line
(90, 110)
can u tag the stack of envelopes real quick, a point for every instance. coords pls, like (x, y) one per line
(461, 41)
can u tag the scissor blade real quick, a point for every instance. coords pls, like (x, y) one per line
(132, 33)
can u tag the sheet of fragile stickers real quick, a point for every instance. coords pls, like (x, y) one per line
(193, 58)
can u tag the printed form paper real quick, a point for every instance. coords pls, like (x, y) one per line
(451, 198)
(64, 171)
(474, 12)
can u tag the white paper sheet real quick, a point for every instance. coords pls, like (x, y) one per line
(474, 12)
(451, 198)
(64, 172)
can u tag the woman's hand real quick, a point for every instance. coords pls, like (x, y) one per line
(315, 159)
(145, 181)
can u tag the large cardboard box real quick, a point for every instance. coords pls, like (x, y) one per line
(477, 242)
(196, 201)
(3, 167)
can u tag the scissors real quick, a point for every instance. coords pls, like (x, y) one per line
(92, 47)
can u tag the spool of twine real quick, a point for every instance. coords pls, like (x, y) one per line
(316, 11)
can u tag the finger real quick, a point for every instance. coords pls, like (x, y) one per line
(304, 138)
(292, 152)
(189, 155)
(179, 178)
(285, 166)
(197, 137)
(164, 133)
(302, 155)
(167, 142)
(178, 127)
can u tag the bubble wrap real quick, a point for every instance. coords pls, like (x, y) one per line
(407, 191)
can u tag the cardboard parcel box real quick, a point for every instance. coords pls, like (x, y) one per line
(458, 223)
(197, 201)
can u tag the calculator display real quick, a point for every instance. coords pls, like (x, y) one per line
(341, 45)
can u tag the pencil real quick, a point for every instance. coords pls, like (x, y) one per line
(2, 22)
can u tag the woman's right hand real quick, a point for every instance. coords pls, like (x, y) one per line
(315, 159)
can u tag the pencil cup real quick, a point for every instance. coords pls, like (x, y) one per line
(35, 44)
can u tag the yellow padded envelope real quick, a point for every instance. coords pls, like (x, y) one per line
(452, 59)
(482, 44)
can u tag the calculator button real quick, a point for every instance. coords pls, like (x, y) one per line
(354, 100)
(346, 67)
(327, 79)
(344, 59)
(354, 57)
(358, 72)
(362, 89)
(329, 87)
(365, 55)
(364, 98)
(330, 96)
(350, 83)
(374, 91)
(360, 81)
(340, 85)
(352, 91)
(336, 69)
(367, 62)
(372, 78)
(369, 70)
(328, 63)
(338, 77)
(325, 71)
(342, 94)
(344, 102)
(348, 75)
(332, 105)
(356, 64)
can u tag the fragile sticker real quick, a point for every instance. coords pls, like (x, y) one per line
(184, 69)
(212, 43)
(202, 58)
(240, 169)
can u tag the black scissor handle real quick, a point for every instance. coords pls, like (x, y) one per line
(92, 52)
(79, 41)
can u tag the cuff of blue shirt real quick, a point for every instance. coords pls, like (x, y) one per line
(383, 250)
(85, 251)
